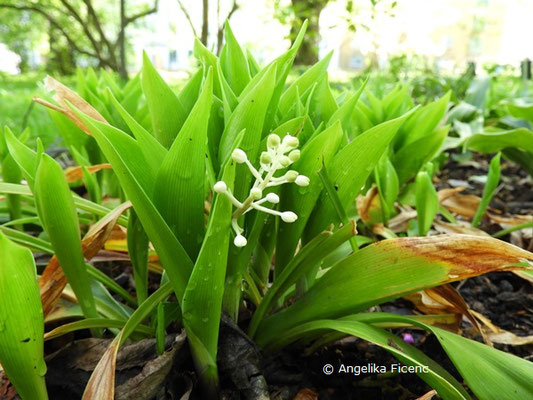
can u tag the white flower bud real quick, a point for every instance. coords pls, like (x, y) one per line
(288, 216)
(239, 156)
(294, 155)
(273, 141)
(291, 175)
(220, 187)
(256, 193)
(240, 241)
(290, 141)
(272, 198)
(302, 180)
(284, 161)
(266, 158)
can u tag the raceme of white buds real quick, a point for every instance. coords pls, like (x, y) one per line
(280, 154)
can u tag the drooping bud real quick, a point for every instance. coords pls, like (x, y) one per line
(288, 216)
(294, 155)
(239, 156)
(266, 158)
(284, 161)
(272, 198)
(290, 141)
(240, 241)
(220, 187)
(256, 193)
(302, 180)
(273, 141)
(291, 175)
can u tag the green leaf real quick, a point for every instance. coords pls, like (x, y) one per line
(491, 142)
(23, 155)
(166, 111)
(388, 186)
(493, 178)
(202, 302)
(180, 179)
(234, 63)
(301, 200)
(427, 202)
(437, 377)
(350, 168)
(390, 269)
(60, 221)
(127, 160)
(21, 321)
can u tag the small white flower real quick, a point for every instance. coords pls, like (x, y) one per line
(284, 161)
(240, 241)
(288, 216)
(239, 156)
(266, 158)
(272, 198)
(290, 141)
(294, 155)
(256, 193)
(220, 187)
(302, 180)
(291, 175)
(273, 141)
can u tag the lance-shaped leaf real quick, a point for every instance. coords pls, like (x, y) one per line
(350, 169)
(166, 111)
(393, 268)
(202, 302)
(179, 187)
(136, 180)
(60, 221)
(490, 142)
(493, 178)
(21, 321)
(433, 374)
(233, 62)
(301, 200)
(427, 202)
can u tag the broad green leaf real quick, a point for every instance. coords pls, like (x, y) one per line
(202, 302)
(23, 155)
(388, 186)
(490, 373)
(322, 104)
(344, 112)
(60, 221)
(179, 185)
(304, 82)
(491, 142)
(166, 111)
(302, 200)
(234, 63)
(437, 377)
(350, 168)
(21, 322)
(189, 94)
(427, 202)
(208, 59)
(138, 252)
(125, 156)
(390, 269)
(410, 158)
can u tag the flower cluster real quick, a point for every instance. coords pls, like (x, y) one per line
(279, 155)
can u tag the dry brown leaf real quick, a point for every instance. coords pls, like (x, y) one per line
(53, 280)
(101, 385)
(444, 194)
(367, 204)
(459, 228)
(499, 335)
(428, 396)
(306, 394)
(63, 95)
(75, 173)
(464, 205)
(511, 221)
(400, 222)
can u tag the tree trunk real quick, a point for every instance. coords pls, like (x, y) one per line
(122, 41)
(205, 22)
(310, 10)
